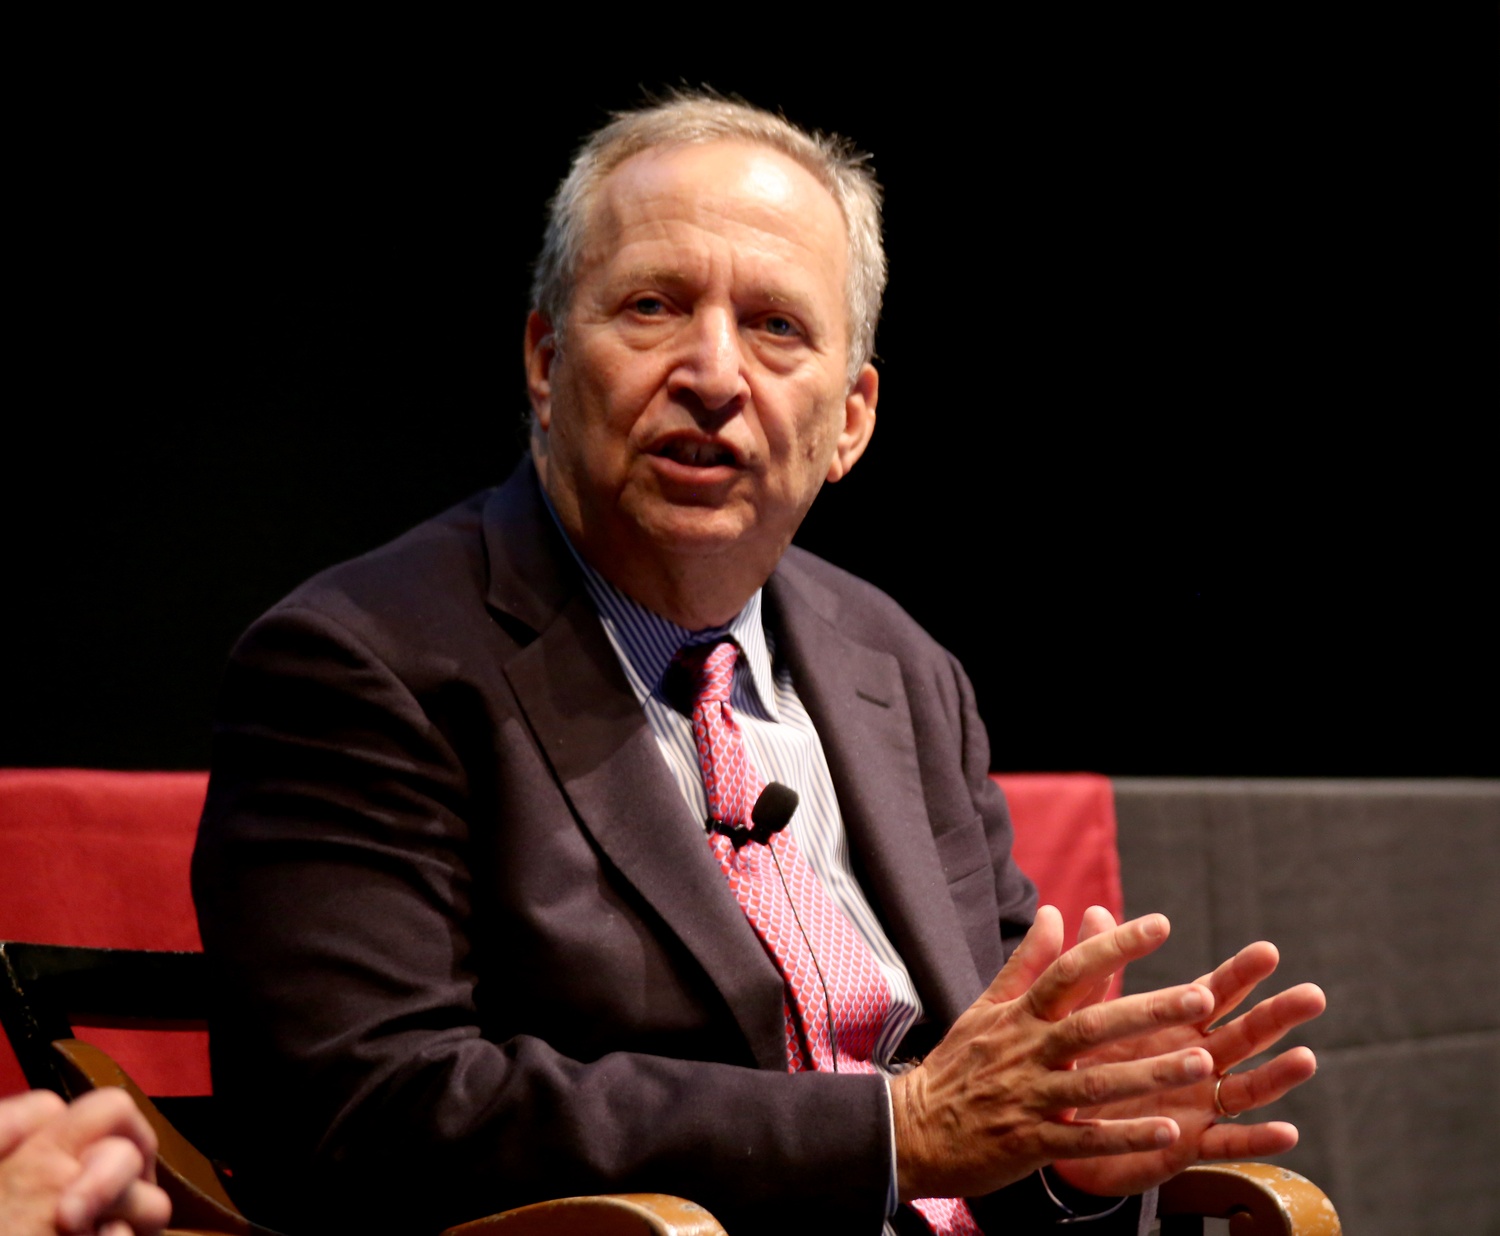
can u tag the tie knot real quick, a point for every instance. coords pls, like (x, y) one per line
(708, 670)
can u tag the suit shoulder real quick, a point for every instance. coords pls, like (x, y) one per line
(424, 579)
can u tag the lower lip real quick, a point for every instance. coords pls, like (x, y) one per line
(692, 476)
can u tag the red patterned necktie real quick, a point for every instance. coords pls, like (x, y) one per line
(826, 963)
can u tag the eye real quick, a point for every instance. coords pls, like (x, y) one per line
(781, 327)
(648, 306)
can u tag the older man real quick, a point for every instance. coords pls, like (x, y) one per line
(499, 908)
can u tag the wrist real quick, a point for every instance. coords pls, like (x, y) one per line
(904, 1125)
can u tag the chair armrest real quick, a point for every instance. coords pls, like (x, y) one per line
(198, 1198)
(1258, 1199)
(618, 1214)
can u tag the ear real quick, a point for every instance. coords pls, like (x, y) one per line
(859, 422)
(541, 351)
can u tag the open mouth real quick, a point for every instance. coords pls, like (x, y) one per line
(693, 453)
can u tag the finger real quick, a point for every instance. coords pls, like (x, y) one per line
(23, 1114)
(109, 1168)
(1247, 1141)
(1096, 920)
(1236, 978)
(137, 1207)
(1253, 1032)
(145, 1209)
(104, 1113)
(1243, 1092)
(1098, 1024)
(1064, 983)
(1098, 1084)
(1086, 1139)
(1039, 948)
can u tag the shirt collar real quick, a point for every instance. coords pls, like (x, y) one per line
(646, 642)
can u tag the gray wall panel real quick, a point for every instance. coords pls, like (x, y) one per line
(1387, 894)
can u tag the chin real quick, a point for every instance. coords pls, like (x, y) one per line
(698, 536)
(699, 530)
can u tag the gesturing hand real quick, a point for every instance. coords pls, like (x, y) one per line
(1192, 1107)
(997, 1097)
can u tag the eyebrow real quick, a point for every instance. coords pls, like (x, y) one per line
(657, 276)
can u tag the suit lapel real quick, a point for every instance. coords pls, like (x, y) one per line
(858, 702)
(586, 719)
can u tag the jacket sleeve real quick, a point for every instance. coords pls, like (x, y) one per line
(1015, 894)
(352, 1042)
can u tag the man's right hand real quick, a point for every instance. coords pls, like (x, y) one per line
(995, 1099)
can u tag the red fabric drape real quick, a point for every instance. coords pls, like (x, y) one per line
(101, 859)
(1066, 843)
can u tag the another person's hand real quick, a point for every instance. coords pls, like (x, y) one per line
(85, 1167)
(1002, 1094)
(1201, 1111)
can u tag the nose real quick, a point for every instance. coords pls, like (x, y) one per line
(711, 365)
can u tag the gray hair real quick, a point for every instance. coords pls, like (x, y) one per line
(695, 119)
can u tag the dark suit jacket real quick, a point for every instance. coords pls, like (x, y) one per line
(470, 947)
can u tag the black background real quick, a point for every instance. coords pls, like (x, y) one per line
(1187, 420)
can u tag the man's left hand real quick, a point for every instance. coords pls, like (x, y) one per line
(1205, 1131)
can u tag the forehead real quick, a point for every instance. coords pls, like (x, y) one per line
(750, 198)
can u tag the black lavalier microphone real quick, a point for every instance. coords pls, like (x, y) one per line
(772, 812)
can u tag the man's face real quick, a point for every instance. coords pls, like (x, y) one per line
(700, 398)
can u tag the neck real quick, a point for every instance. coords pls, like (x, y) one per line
(697, 593)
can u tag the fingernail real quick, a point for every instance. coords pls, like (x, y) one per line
(1195, 1067)
(1163, 1137)
(1195, 1002)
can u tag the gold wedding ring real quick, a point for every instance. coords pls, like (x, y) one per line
(1219, 1107)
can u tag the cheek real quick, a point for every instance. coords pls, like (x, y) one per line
(582, 416)
(616, 398)
(819, 435)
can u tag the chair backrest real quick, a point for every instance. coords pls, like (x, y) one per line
(100, 860)
(1066, 842)
(48, 989)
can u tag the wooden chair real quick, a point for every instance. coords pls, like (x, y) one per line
(52, 994)
(43, 988)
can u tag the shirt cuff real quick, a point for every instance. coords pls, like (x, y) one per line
(892, 1195)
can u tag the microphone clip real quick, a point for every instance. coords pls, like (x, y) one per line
(772, 812)
(739, 835)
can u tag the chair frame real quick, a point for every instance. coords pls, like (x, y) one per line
(44, 987)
